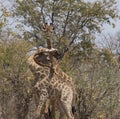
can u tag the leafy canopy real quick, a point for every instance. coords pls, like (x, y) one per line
(71, 18)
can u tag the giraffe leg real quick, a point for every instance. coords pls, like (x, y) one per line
(62, 112)
(42, 101)
(47, 104)
(66, 101)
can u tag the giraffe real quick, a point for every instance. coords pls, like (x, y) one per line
(59, 86)
(48, 31)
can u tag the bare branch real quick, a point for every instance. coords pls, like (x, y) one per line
(66, 22)
(43, 13)
(53, 8)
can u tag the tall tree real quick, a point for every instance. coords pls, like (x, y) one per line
(72, 19)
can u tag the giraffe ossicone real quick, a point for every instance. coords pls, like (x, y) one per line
(60, 86)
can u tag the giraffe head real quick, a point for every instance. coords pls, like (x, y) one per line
(42, 57)
(49, 28)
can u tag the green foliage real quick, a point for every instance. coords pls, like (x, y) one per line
(13, 56)
(109, 57)
(71, 18)
(15, 78)
(97, 87)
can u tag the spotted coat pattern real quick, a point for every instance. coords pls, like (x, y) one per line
(60, 86)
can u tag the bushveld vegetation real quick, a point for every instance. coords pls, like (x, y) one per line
(95, 70)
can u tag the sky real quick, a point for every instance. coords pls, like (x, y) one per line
(109, 30)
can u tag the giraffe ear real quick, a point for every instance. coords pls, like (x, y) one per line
(44, 27)
(46, 24)
(51, 24)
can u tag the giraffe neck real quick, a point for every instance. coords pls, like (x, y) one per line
(49, 29)
(37, 70)
(49, 44)
(60, 73)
